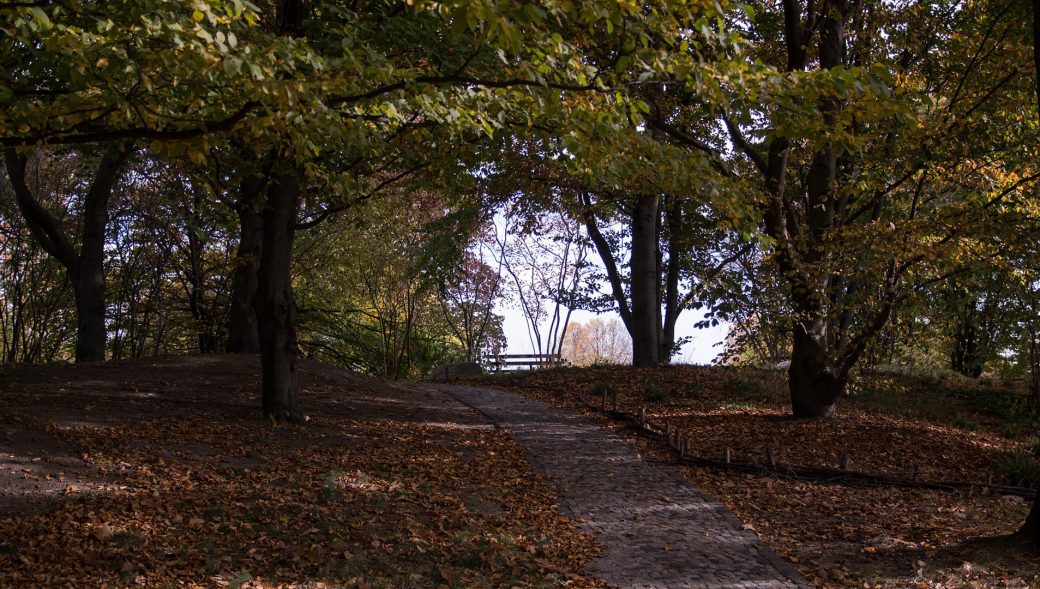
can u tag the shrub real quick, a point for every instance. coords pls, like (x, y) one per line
(653, 392)
(1022, 467)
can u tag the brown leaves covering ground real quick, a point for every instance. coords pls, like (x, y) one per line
(181, 485)
(837, 535)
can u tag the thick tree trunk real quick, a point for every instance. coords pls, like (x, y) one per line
(815, 382)
(90, 314)
(275, 308)
(243, 337)
(89, 277)
(646, 307)
(1030, 530)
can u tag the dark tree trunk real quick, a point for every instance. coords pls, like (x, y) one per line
(815, 382)
(671, 284)
(646, 307)
(275, 308)
(1030, 530)
(243, 337)
(966, 357)
(90, 316)
(86, 267)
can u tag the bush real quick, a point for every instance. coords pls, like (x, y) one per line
(653, 392)
(604, 389)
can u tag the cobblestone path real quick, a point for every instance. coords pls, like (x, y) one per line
(658, 530)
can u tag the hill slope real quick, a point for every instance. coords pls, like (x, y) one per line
(160, 473)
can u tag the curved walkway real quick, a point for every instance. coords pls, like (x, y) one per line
(658, 530)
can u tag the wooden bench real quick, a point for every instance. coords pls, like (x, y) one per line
(530, 361)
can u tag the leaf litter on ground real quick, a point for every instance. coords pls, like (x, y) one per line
(836, 535)
(182, 485)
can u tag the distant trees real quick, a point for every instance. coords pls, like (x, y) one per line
(468, 295)
(544, 262)
(366, 297)
(600, 340)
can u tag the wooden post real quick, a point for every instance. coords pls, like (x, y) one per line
(726, 457)
(642, 418)
(845, 461)
(667, 431)
(770, 457)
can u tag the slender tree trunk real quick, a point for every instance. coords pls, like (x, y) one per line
(243, 337)
(966, 357)
(275, 307)
(646, 307)
(671, 285)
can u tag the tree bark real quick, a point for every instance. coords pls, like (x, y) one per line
(673, 218)
(86, 267)
(815, 382)
(646, 307)
(1030, 530)
(243, 337)
(275, 307)
(966, 357)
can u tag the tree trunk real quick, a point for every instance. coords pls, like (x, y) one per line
(1030, 530)
(815, 382)
(966, 357)
(90, 313)
(646, 327)
(275, 308)
(243, 337)
(671, 284)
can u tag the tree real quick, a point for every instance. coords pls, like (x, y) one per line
(85, 265)
(368, 299)
(856, 215)
(598, 341)
(545, 258)
(468, 296)
(34, 292)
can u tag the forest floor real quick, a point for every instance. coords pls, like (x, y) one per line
(838, 534)
(160, 473)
